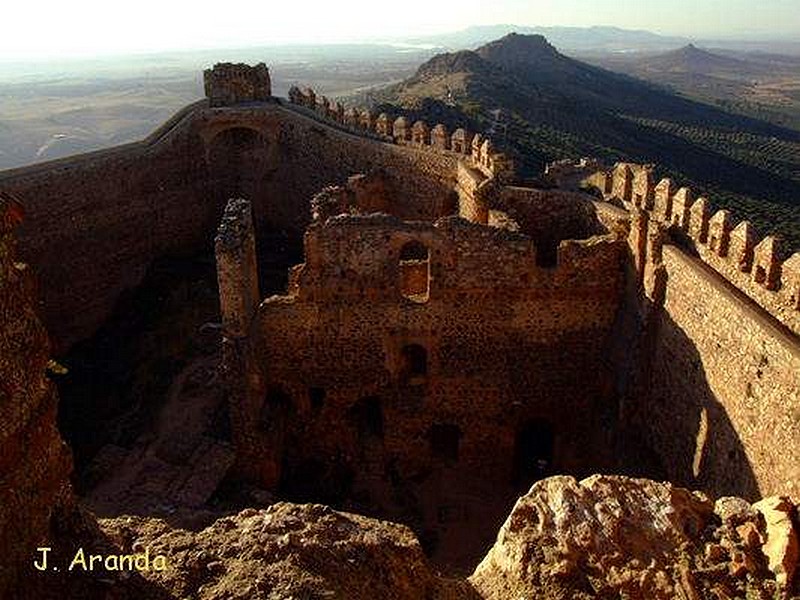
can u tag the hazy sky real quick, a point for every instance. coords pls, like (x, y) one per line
(89, 27)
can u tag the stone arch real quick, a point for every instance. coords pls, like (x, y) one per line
(413, 363)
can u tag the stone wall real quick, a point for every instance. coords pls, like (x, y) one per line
(96, 222)
(758, 267)
(228, 84)
(719, 389)
(480, 151)
(444, 365)
(724, 402)
(34, 462)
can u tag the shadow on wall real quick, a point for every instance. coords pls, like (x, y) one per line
(118, 379)
(676, 428)
(238, 161)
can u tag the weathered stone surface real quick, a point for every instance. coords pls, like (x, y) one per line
(390, 322)
(610, 537)
(34, 462)
(287, 551)
(228, 84)
(781, 545)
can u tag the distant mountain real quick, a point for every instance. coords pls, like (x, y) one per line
(756, 84)
(583, 40)
(611, 39)
(691, 59)
(544, 105)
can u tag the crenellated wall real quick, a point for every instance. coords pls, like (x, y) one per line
(479, 151)
(758, 267)
(719, 389)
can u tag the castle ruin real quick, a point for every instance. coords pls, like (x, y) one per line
(450, 335)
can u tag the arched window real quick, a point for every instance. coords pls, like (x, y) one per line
(415, 272)
(414, 367)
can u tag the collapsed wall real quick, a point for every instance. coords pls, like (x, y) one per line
(96, 222)
(34, 462)
(409, 357)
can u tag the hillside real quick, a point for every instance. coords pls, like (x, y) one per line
(547, 106)
(755, 84)
(691, 59)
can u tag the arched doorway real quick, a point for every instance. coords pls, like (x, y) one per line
(533, 453)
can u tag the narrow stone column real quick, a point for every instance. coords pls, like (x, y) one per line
(237, 268)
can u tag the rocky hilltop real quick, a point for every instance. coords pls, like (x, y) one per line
(691, 59)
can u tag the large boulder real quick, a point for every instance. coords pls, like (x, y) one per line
(617, 537)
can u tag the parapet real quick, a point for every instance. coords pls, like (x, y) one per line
(400, 130)
(228, 84)
(758, 267)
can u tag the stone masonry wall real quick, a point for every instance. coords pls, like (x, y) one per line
(760, 267)
(96, 222)
(506, 345)
(719, 396)
(724, 405)
(227, 84)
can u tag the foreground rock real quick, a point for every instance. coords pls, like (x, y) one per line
(612, 537)
(781, 543)
(287, 551)
(604, 537)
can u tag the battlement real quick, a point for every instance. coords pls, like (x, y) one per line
(759, 267)
(228, 84)
(480, 152)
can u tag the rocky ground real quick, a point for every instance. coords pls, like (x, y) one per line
(604, 537)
